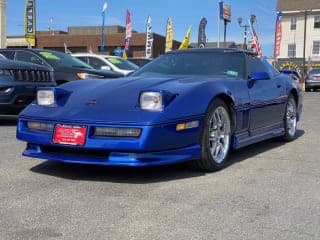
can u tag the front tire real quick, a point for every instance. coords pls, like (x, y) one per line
(216, 137)
(290, 120)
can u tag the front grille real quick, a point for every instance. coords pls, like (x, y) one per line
(25, 75)
(81, 153)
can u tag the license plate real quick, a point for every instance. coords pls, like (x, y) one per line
(70, 135)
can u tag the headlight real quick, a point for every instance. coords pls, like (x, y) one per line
(40, 126)
(45, 97)
(151, 101)
(5, 72)
(88, 76)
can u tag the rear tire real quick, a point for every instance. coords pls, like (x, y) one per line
(290, 120)
(216, 137)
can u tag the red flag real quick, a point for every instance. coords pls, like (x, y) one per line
(128, 31)
(278, 36)
(255, 41)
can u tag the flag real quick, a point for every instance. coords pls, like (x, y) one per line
(202, 38)
(278, 36)
(104, 9)
(149, 39)
(30, 22)
(185, 42)
(105, 6)
(255, 41)
(128, 34)
(169, 36)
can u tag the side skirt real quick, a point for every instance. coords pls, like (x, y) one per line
(246, 138)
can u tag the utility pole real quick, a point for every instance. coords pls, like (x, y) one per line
(3, 24)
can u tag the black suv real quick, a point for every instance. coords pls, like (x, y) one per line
(18, 84)
(66, 67)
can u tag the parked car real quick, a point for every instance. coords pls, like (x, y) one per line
(66, 68)
(312, 81)
(106, 62)
(140, 61)
(18, 84)
(184, 105)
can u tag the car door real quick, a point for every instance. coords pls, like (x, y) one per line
(267, 99)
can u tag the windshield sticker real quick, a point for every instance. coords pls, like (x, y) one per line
(49, 55)
(114, 61)
(232, 73)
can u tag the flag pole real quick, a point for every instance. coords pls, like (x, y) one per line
(218, 40)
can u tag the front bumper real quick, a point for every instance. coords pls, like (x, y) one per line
(157, 145)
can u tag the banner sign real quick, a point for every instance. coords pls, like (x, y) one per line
(128, 31)
(278, 35)
(202, 38)
(225, 11)
(169, 36)
(30, 22)
(149, 39)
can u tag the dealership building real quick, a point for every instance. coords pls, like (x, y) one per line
(88, 39)
(300, 38)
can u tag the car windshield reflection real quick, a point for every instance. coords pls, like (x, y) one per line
(190, 63)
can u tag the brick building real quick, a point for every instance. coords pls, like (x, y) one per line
(84, 39)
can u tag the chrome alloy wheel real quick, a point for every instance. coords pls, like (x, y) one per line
(219, 134)
(291, 118)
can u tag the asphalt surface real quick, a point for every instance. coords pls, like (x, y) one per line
(270, 190)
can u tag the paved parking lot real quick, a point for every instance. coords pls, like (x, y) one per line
(270, 191)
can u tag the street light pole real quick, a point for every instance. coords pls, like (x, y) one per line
(104, 8)
(218, 40)
(246, 27)
(3, 25)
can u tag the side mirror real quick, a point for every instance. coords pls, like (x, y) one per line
(106, 68)
(255, 76)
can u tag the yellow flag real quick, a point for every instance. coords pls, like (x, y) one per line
(169, 36)
(124, 55)
(30, 22)
(185, 42)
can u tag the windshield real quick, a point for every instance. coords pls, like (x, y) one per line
(212, 64)
(122, 63)
(57, 59)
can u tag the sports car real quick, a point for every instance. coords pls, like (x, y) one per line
(187, 105)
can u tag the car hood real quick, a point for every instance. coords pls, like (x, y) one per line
(116, 101)
(105, 73)
(10, 64)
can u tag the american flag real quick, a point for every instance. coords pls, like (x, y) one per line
(278, 36)
(255, 41)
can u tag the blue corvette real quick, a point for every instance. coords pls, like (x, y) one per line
(194, 104)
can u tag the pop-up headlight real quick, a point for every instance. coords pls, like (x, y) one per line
(45, 97)
(151, 101)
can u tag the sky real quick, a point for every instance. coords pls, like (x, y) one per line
(59, 14)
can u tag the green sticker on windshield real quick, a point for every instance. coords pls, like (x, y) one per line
(49, 55)
(114, 61)
(232, 73)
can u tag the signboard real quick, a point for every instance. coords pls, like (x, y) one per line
(225, 11)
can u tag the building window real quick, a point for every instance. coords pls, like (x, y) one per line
(316, 48)
(293, 23)
(317, 22)
(291, 50)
